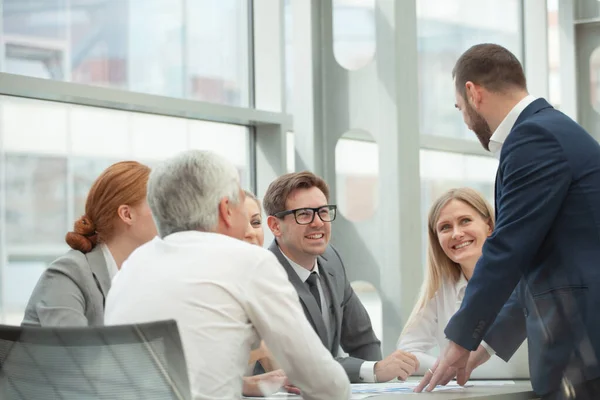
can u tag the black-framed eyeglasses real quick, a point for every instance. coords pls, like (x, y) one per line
(306, 215)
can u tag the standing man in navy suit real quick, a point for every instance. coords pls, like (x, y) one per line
(545, 250)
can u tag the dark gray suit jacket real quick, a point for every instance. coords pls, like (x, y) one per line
(71, 292)
(350, 324)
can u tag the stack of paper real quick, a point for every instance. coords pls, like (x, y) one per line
(396, 387)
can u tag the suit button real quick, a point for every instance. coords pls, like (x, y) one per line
(525, 312)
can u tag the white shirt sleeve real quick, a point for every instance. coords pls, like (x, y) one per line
(420, 336)
(366, 373)
(276, 314)
(487, 347)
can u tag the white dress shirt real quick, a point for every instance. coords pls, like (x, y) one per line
(225, 295)
(426, 332)
(111, 264)
(303, 274)
(503, 130)
(367, 368)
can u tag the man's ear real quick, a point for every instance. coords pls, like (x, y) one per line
(473, 93)
(225, 211)
(274, 225)
(125, 213)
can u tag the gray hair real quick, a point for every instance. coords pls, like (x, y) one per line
(184, 192)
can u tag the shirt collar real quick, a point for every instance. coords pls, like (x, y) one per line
(111, 264)
(503, 130)
(302, 272)
(460, 286)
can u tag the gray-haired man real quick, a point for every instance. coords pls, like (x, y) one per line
(225, 294)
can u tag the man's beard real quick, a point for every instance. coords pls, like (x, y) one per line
(480, 127)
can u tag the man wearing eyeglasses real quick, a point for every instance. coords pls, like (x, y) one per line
(300, 217)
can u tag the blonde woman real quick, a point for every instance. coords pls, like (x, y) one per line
(274, 377)
(254, 232)
(255, 235)
(459, 223)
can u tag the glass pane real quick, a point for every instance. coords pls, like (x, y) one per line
(586, 9)
(353, 32)
(595, 79)
(155, 137)
(44, 144)
(19, 280)
(33, 126)
(290, 152)
(230, 141)
(357, 184)
(553, 54)
(445, 29)
(35, 36)
(99, 132)
(217, 51)
(442, 171)
(36, 199)
(85, 172)
(178, 48)
(289, 56)
(153, 38)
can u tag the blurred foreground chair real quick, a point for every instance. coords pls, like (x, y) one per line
(144, 361)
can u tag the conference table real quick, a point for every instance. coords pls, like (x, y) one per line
(495, 390)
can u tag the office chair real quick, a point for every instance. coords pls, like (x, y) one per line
(144, 361)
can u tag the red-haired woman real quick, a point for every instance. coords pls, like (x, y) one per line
(117, 220)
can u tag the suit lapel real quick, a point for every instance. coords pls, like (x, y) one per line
(535, 107)
(329, 278)
(311, 309)
(99, 269)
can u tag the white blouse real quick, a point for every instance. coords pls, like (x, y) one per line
(111, 264)
(425, 337)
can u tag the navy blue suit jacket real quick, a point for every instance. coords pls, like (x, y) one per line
(545, 249)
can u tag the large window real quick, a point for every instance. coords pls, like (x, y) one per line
(179, 48)
(53, 152)
(445, 29)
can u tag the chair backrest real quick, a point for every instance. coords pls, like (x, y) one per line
(143, 361)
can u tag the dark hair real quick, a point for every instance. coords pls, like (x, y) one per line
(279, 190)
(121, 183)
(491, 66)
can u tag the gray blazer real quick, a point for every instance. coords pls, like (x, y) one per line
(350, 324)
(71, 292)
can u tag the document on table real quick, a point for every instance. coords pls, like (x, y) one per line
(365, 390)
(409, 386)
(288, 396)
(396, 387)
(490, 383)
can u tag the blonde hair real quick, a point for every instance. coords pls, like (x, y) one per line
(253, 197)
(439, 266)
